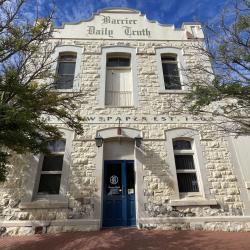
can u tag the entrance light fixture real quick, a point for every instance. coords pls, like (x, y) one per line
(98, 141)
(138, 141)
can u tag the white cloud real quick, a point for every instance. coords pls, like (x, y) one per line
(73, 11)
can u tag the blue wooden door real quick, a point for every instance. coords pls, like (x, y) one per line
(119, 194)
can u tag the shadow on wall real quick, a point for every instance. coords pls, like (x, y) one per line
(158, 180)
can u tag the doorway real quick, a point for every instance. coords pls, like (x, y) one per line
(119, 193)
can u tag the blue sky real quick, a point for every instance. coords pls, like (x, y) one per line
(165, 11)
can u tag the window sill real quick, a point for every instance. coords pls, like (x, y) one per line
(192, 202)
(67, 90)
(174, 91)
(111, 106)
(60, 202)
(247, 183)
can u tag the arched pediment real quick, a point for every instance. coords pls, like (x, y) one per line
(121, 23)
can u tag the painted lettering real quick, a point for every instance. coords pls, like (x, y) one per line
(101, 119)
(89, 118)
(101, 32)
(118, 118)
(108, 20)
(131, 32)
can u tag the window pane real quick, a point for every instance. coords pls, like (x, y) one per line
(66, 68)
(171, 76)
(64, 82)
(124, 62)
(56, 146)
(181, 144)
(68, 58)
(184, 162)
(52, 163)
(172, 83)
(49, 184)
(112, 62)
(187, 182)
(130, 176)
(113, 179)
(118, 62)
(171, 58)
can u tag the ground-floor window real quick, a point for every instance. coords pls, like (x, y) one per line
(185, 166)
(52, 167)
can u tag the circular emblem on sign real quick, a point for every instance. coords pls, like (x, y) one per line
(113, 179)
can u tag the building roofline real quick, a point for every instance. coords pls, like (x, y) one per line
(124, 10)
(111, 9)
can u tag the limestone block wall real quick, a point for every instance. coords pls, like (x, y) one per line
(157, 179)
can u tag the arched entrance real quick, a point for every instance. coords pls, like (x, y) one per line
(118, 187)
(119, 183)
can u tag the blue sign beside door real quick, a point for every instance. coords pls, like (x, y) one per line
(119, 194)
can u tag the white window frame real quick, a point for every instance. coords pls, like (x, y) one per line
(181, 67)
(119, 55)
(32, 199)
(133, 63)
(48, 172)
(204, 196)
(187, 152)
(69, 49)
(61, 61)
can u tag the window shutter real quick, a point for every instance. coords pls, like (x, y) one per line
(119, 84)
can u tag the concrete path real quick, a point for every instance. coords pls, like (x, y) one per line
(130, 239)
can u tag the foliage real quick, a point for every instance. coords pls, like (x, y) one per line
(225, 86)
(25, 100)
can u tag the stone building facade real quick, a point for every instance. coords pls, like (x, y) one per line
(139, 162)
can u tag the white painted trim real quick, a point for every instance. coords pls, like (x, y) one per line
(237, 170)
(162, 220)
(102, 84)
(181, 67)
(69, 48)
(198, 160)
(143, 220)
(197, 202)
(125, 133)
(138, 167)
(32, 177)
(247, 183)
(67, 222)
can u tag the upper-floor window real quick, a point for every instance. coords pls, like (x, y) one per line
(67, 65)
(170, 71)
(66, 70)
(118, 77)
(119, 82)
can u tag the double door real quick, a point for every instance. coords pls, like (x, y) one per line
(119, 194)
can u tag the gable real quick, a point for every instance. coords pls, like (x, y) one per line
(119, 23)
